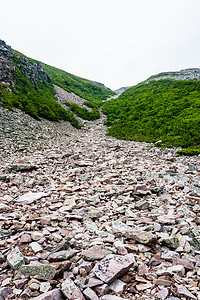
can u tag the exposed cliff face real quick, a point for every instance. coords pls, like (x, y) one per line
(30, 69)
(7, 69)
(9, 58)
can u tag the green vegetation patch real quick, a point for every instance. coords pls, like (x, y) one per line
(83, 112)
(36, 99)
(166, 110)
(80, 86)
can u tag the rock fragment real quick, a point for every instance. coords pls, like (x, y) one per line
(113, 266)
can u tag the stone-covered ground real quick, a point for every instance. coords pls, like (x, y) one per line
(86, 216)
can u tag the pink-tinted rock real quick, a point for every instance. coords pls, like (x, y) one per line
(30, 197)
(90, 294)
(71, 291)
(182, 291)
(113, 266)
(25, 238)
(143, 237)
(186, 263)
(163, 293)
(51, 295)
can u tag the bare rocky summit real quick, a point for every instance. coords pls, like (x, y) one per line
(186, 74)
(86, 216)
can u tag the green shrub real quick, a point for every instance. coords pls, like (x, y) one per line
(166, 110)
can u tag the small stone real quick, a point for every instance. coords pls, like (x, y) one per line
(62, 255)
(19, 283)
(182, 291)
(145, 286)
(143, 237)
(45, 287)
(117, 286)
(5, 292)
(15, 258)
(25, 238)
(143, 269)
(102, 289)
(111, 297)
(30, 197)
(4, 207)
(94, 282)
(51, 295)
(95, 253)
(35, 247)
(160, 281)
(90, 294)
(36, 236)
(163, 293)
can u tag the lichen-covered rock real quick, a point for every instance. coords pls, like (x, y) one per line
(48, 271)
(62, 255)
(143, 237)
(113, 266)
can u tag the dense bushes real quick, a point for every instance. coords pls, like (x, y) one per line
(83, 112)
(37, 99)
(164, 110)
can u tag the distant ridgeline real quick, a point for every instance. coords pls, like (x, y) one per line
(164, 108)
(28, 85)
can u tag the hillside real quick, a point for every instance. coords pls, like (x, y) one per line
(28, 85)
(163, 109)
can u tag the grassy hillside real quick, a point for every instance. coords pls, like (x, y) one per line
(82, 87)
(35, 98)
(166, 110)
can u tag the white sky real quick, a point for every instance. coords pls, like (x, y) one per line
(116, 42)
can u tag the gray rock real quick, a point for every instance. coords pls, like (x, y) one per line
(90, 294)
(71, 291)
(15, 258)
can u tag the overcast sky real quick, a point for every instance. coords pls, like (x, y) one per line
(116, 42)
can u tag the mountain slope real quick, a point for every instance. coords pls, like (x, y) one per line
(26, 84)
(163, 109)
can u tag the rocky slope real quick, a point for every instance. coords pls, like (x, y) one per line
(186, 74)
(86, 216)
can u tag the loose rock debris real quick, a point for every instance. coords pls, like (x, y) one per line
(86, 216)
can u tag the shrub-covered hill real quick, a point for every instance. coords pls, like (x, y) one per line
(28, 85)
(90, 91)
(167, 110)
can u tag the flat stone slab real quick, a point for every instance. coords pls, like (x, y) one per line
(48, 271)
(62, 255)
(30, 197)
(95, 253)
(113, 266)
(51, 295)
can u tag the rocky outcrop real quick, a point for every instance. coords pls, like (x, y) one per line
(32, 70)
(186, 74)
(7, 69)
